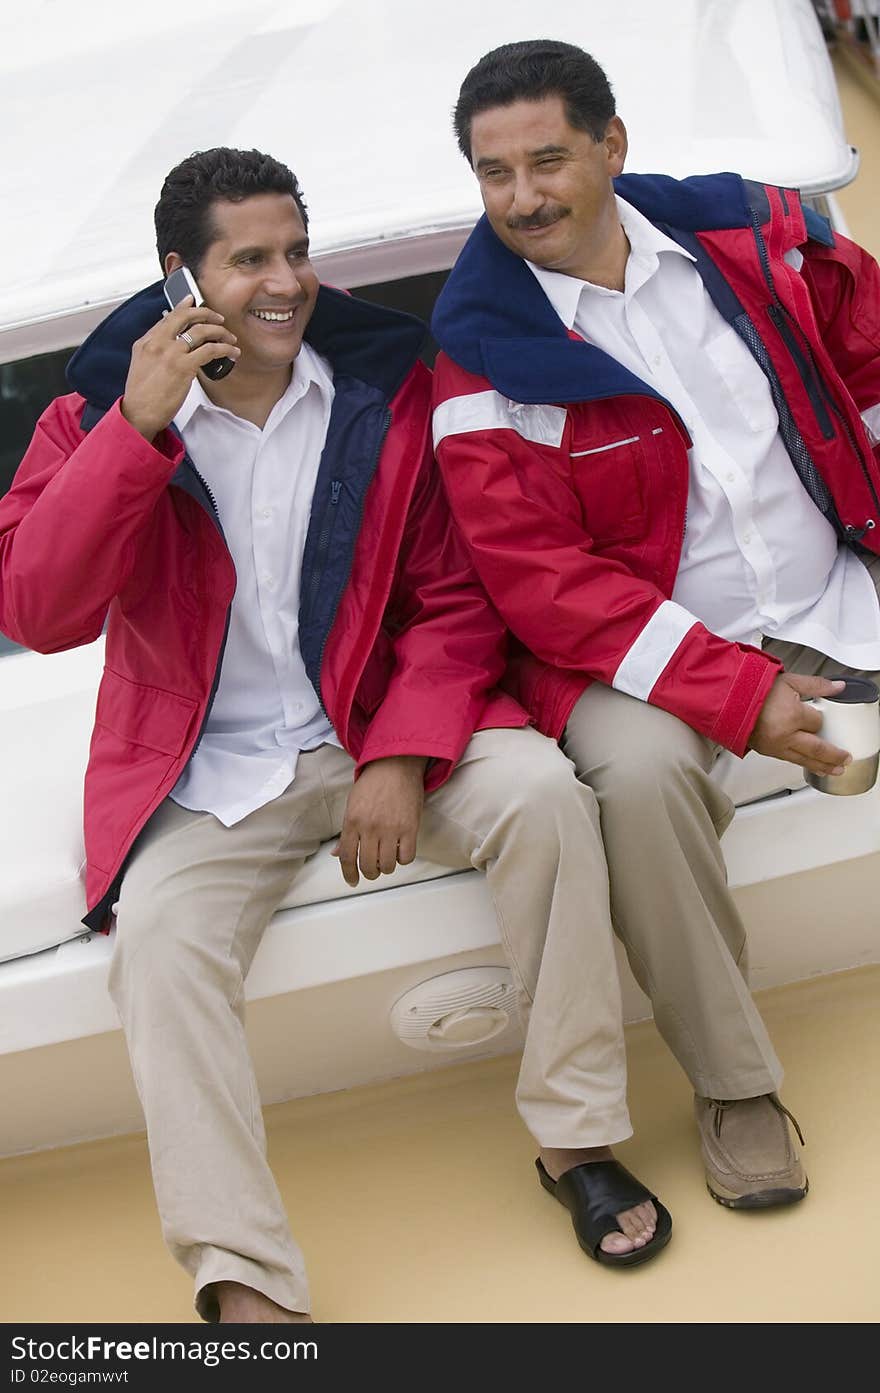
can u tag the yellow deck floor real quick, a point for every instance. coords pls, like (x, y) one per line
(416, 1200)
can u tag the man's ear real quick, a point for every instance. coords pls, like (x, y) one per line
(172, 262)
(616, 144)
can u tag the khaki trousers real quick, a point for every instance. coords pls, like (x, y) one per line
(194, 903)
(662, 817)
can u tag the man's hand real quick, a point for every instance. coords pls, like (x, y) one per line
(382, 818)
(163, 365)
(786, 727)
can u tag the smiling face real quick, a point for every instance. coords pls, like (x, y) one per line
(546, 186)
(256, 273)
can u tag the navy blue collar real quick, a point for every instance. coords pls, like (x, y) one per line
(377, 346)
(494, 320)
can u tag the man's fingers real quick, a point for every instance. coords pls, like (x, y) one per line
(205, 333)
(369, 856)
(347, 849)
(810, 719)
(179, 313)
(209, 351)
(388, 854)
(814, 686)
(817, 755)
(377, 853)
(406, 849)
(187, 313)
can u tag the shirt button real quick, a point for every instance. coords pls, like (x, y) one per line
(657, 360)
(730, 477)
(265, 512)
(269, 582)
(747, 538)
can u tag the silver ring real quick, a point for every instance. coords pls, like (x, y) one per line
(187, 338)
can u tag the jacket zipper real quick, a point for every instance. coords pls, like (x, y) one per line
(809, 376)
(853, 532)
(779, 318)
(763, 254)
(328, 522)
(817, 388)
(205, 486)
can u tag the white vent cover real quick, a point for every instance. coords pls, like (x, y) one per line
(456, 1010)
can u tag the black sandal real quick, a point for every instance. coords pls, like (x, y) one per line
(595, 1193)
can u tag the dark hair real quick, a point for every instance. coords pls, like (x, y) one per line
(529, 71)
(183, 213)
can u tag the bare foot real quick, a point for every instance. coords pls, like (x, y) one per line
(240, 1305)
(637, 1225)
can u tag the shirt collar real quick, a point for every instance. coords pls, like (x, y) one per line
(195, 397)
(309, 367)
(646, 242)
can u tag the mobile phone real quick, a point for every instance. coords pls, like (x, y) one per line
(179, 284)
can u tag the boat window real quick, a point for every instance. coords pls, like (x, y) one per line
(414, 294)
(26, 389)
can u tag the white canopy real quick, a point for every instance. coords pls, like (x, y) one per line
(100, 100)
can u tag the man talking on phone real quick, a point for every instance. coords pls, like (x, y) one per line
(297, 650)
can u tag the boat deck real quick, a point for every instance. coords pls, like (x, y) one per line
(416, 1200)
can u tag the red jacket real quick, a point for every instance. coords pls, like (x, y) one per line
(396, 633)
(569, 475)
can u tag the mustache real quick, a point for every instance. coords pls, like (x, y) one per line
(545, 218)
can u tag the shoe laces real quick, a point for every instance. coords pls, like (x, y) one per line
(722, 1104)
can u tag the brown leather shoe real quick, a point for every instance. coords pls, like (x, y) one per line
(750, 1157)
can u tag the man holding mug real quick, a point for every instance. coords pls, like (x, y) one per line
(851, 718)
(656, 412)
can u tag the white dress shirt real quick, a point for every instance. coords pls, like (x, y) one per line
(758, 558)
(265, 710)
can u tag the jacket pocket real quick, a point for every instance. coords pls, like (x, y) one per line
(148, 716)
(608, 479)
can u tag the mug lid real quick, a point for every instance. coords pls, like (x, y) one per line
(858, 691)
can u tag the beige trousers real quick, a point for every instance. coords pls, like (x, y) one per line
(662, 818)
(194, 903)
